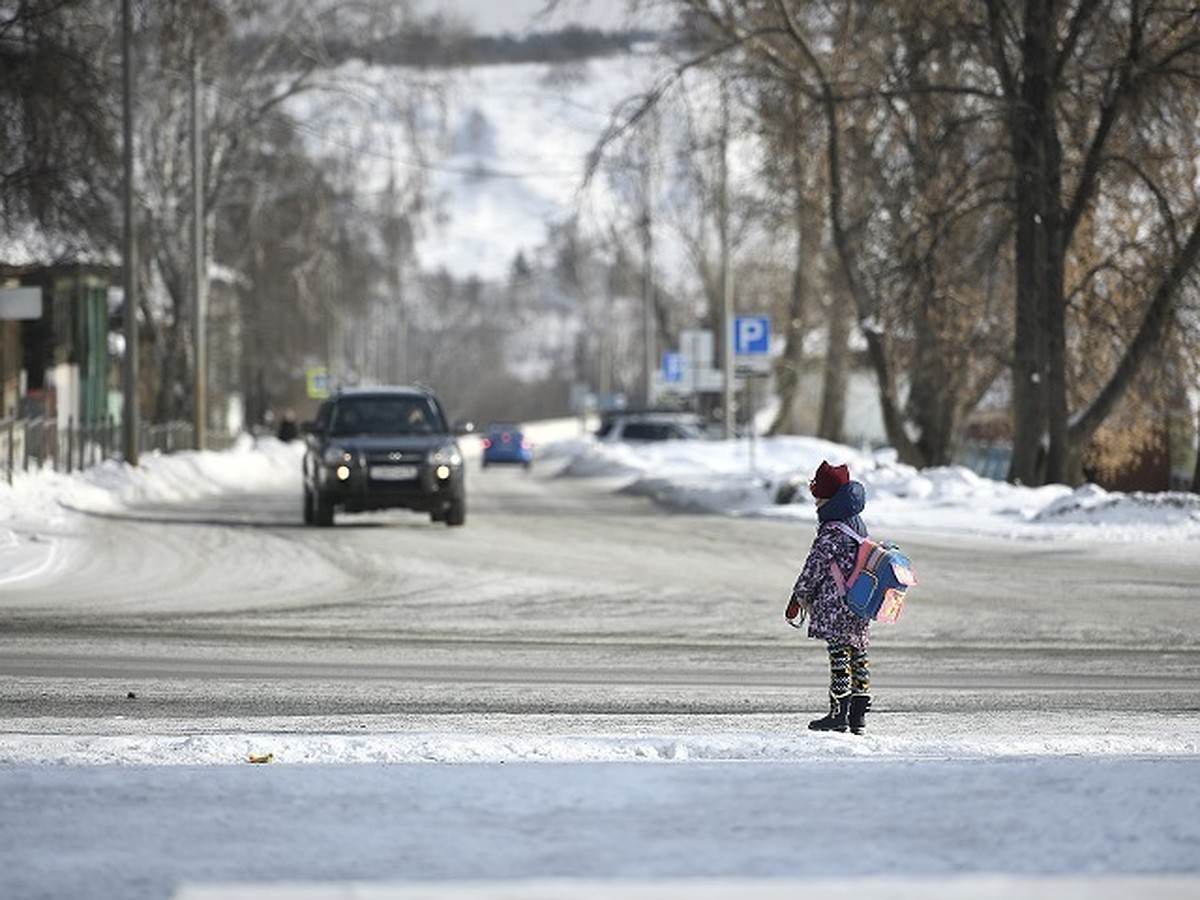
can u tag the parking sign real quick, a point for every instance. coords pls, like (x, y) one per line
(751, 335)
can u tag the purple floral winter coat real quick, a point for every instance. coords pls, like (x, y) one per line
(830, 619)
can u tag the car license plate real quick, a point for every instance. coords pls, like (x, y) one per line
(393, 473)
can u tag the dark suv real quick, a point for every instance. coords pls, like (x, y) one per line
(382, 448)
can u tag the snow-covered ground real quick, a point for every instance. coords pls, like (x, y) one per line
(1084, 805)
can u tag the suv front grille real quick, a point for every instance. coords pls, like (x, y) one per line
(395, 457)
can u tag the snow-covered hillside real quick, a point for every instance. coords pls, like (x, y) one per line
(500, 150)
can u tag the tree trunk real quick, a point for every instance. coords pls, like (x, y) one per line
(832, 425)
(1035, 156)
(893, 419)
(787, 372)
(1196, 470)
(791, 361)
(935, 391)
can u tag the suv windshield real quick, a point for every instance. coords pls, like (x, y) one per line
(385, 415)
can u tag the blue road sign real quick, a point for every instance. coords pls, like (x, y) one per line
(672, 367)
(752, 335)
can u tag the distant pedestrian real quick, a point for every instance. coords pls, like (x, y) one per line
(818, 597)
(288, 430)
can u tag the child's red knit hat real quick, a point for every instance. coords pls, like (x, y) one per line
(828, 479)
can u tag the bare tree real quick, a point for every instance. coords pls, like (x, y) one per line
(1102, 108)
(898, 204)
(255, 59)
(1094, 107)
(58, 140)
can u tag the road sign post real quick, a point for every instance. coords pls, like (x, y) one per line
(752, 346)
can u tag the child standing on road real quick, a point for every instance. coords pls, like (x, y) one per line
(816, 595)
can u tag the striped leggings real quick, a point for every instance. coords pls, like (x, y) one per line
(849, 670)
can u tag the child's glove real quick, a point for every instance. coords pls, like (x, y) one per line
(798, 610)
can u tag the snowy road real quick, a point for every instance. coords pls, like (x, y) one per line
(1037, 708)
(561, 596)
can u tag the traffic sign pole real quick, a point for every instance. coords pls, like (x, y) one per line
(752, 346)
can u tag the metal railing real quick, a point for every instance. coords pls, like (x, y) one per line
(31, 445)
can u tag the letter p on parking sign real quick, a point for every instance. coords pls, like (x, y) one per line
(751, 335)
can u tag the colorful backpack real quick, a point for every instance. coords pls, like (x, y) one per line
(880, 580)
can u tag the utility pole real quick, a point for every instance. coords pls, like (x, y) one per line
(129, 420)
(649, 362)
(199, 281)
(727, 354)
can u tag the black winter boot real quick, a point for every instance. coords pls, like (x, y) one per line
(859, 704)
(839, 707)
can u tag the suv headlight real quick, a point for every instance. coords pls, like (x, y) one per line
(444, 460)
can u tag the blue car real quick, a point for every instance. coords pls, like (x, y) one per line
(505, 444)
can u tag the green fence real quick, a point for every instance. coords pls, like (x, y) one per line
(32, 445)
